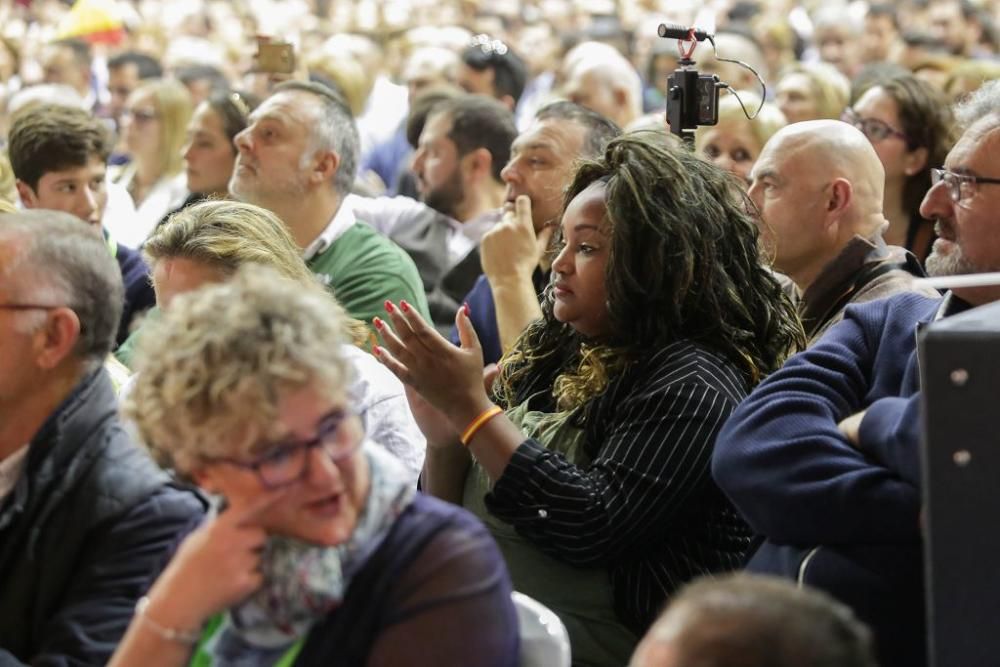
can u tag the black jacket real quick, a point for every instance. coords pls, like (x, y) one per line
(89, 525)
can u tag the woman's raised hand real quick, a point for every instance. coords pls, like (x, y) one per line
(449, 378)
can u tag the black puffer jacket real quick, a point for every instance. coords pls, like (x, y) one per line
(86, 530)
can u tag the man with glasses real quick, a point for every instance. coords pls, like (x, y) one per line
(822, 459)
(59, 157)
(86, 518)
(819, 188)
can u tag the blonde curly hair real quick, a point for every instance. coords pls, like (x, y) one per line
(212, 371)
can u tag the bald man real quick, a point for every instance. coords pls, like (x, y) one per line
(599, 78)
(818, 186)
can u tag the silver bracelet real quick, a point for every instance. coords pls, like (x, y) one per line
(171, 634)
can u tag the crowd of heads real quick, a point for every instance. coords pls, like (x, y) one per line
(854, 132)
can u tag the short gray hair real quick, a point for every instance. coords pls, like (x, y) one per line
(69, 262)
(334, 130)
(982, 103)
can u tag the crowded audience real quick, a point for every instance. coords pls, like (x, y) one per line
(540, 343)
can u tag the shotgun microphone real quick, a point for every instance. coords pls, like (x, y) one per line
(674, 31)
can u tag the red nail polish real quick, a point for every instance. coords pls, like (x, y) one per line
(378, 323)
(388, 306)
(376, 350)
(465, 307)
(405, 307)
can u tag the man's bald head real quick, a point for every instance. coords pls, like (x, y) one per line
(817, 184)
(831, 149)
(601, 79)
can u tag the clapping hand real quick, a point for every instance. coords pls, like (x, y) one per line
(448, 378)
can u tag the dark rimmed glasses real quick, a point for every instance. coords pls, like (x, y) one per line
(873, 128)
(960, 186)
(285, 463)
(140, 116)
(27, 306)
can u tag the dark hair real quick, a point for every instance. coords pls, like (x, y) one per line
(509, 72)
(755, 621)
(884, 9)
(67, 255)
(188, 74)
(147, 66)
(81, 50)
(928, 122)
(478, 121)
(600, 130)
(684, 264)
(234, 108)
(424, 105)
(52, 138)
(870, 74)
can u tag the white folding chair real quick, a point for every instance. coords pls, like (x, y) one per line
(544, 640)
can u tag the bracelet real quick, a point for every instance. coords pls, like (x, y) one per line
(171, 634)
(478, 423)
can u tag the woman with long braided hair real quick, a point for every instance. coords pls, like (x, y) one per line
(589, 459)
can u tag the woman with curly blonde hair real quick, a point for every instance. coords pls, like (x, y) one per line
(322, 553)
(210, 242)
(590, 460)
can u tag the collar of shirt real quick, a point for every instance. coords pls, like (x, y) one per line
(10, 470)
(340, 223)
(464, 236)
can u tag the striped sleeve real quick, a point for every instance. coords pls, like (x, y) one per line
(653, 458)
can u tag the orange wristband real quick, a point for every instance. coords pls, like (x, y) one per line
(478, 423)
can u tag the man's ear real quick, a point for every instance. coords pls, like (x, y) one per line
(28, 197)
(840, 197)
(478, 164)
(325, 166)
(620, 96)
(55, 341)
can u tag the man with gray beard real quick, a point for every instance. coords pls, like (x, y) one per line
(822, 459)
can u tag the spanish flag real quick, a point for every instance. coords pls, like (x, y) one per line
(96, 21)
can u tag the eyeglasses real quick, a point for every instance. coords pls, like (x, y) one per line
(873, 128)
(288, 462)
(140, 115)
(960, 186)
(26, 306)
(488, 45)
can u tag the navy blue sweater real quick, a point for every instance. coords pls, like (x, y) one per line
(139, 295)
(832, 516)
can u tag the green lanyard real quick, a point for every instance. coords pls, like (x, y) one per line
(202, 658)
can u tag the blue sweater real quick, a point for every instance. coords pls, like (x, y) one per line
(835, 517)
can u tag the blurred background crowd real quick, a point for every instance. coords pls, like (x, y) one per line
(812, 56)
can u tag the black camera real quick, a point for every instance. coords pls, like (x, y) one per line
(692, 100)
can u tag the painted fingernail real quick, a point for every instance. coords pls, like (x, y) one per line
(388, 306)
(378, 323)
(405, 307)
(376, 350)
(465, 307)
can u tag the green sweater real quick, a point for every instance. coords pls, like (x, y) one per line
(363, 268)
